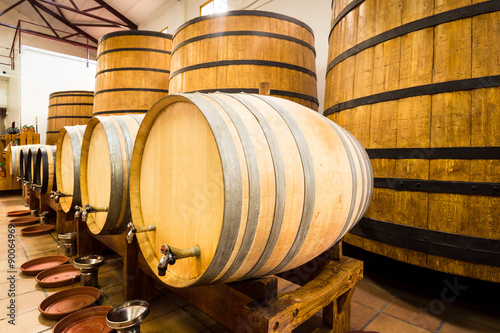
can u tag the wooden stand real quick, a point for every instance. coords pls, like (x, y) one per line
(42, 202)
(327, 284)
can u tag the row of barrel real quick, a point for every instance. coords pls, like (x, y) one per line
(246, 179)
(136, 68)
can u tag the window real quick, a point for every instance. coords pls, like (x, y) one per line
(213, 6)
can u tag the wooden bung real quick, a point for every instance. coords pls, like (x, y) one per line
(257, 183)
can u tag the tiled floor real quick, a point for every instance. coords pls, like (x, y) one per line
(380, 304)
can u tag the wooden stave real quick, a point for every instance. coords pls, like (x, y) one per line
(253, 67)
(118, 214)
(15, 160)
(111, 88)
(45, 169)
(424, 169)
(75, 135)
(63, 102)
(151, 253)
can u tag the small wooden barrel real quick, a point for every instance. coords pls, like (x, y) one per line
(25, 169)
(67, 108)
(15, 161)
(133, 68)
(31, 174)
(419, 85)
(260, 184)
(45, 169)
(104, 170)
(234, 51)
(69, 144)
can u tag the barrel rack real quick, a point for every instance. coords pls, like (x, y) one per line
(327, 284)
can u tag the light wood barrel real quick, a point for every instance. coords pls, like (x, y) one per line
(419, 86)
(133, 68)
(236, 50)
(15, 162)
(104, 171)
(69, 145)
(260, 184)
(68, 108)
(45, 169)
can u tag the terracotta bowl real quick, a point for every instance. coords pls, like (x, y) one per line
(23, 221)
(35, 266)
(88, 320)
(19, 212)
(65, 302)
(58, 276)
(37, 230)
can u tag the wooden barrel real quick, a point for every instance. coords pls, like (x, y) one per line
(45, 169)
(69, 145)
(15, 161)
(25, 169)
(419, 86)
(31, 174)
(260, 184)
(236, 50)
(133, 68)
(104, 170)
(67, 108)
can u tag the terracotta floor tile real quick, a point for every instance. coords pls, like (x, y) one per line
(361, 315)
(30, 322)
(310, 325)
(283, 284)
(415, 313)
(41, 248)
(174, 322)
(36, 240)
(160, 306)
(456, 324)
(217, 329)
(114, 294)
(371, 296)
(110, 278)
(23, 303)
(179, 301)
(387, 324)
(468, 312)
(200, 316)
(22, 286)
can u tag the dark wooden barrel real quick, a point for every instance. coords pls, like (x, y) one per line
(236, 50)
(45, 169)
(133, 68)
(419, 85)
(25, 165)
(69, 145)
(67, 108)
(104, 170)
(260, 184)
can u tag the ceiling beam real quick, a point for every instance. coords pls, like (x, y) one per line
(50, 2)
(131, 25)
(63, 20)
(46, 22)
(11, 7)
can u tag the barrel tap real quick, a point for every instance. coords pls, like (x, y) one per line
(58, 194)
(86, 209)
(133, 230)
(35, 186)
(20, 179)
(172, 254)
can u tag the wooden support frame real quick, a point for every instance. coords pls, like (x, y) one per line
(43, 202)
(327, 283)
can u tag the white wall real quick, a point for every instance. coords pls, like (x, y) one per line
(42, 73)
(315, 13)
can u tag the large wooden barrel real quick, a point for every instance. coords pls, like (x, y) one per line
(67, 108)
(69, 145)
(104, 171)
(45, 169)
(133, 68)
(260, 184)
(419, 86)
(236, 50)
